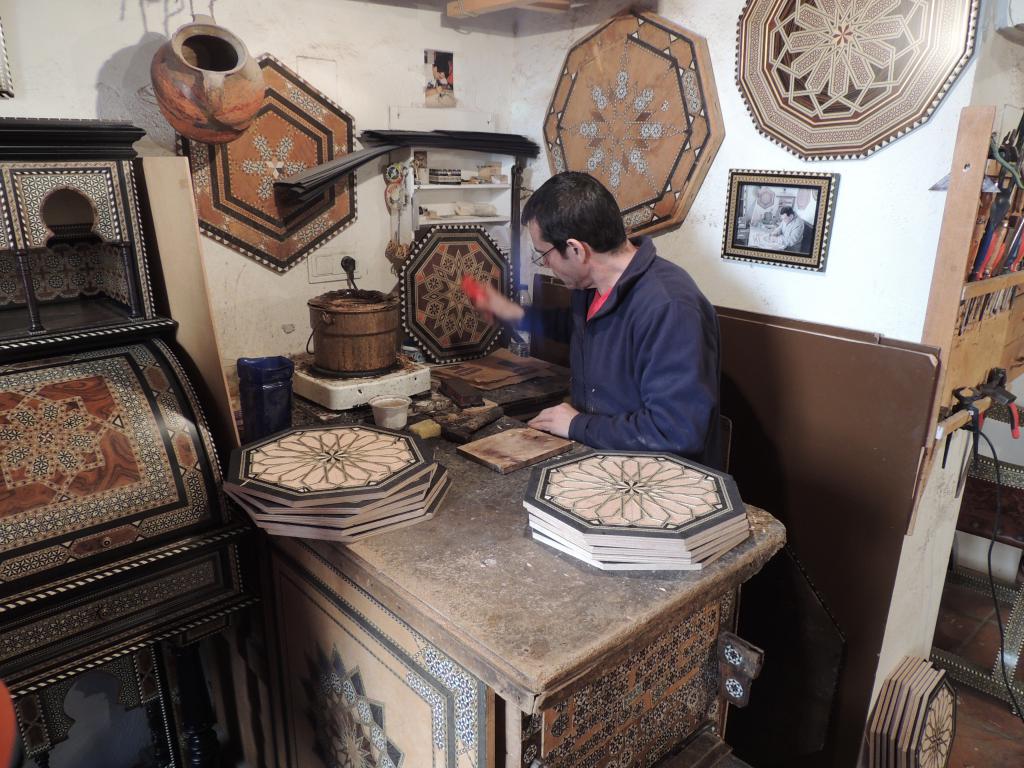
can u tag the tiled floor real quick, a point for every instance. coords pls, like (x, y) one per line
(988, 734)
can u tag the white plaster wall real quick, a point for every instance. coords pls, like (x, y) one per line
(76, 59)
(1000, 68)
(886, 223)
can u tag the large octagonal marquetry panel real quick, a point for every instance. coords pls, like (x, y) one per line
(297, 128)
(835, 79)
(309, 466)
(644, 494)
(636, 107)
(435, 310)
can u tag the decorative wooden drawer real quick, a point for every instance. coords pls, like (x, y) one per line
(103, 454)
(359, 686)
(137, 609)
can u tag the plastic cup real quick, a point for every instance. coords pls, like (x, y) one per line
(391, 411)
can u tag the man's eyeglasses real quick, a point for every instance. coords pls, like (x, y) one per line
(538, 258)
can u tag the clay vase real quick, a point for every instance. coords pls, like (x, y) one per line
(207, 85)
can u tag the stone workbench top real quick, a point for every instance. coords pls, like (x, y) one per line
(523, 617)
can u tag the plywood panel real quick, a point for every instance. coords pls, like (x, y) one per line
(168, 192)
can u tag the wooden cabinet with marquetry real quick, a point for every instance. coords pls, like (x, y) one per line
(114, 535)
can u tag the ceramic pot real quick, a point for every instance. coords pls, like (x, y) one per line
(207, 85)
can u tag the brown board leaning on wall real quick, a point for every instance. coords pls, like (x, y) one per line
(829, 426)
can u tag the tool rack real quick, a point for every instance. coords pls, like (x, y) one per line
(977, 324)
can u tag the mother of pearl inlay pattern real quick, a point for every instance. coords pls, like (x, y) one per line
(642, 491)
(346, 457)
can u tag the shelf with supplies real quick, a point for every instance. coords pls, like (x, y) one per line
(426, 221)
(975, 315)
(464, 185)
(482, 195)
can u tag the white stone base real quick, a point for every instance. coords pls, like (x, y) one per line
(342, 394)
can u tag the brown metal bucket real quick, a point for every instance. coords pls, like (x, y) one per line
(355, 331)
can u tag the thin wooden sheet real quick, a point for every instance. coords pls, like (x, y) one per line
(517, 448)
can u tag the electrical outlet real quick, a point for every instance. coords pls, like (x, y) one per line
(325, 267)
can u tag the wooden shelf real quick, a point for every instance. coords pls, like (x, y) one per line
(991, 285)
(420, 187)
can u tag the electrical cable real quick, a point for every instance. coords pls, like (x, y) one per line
(992, 581)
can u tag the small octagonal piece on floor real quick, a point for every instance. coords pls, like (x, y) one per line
(636, 107)
(315, 466)
(435, 309)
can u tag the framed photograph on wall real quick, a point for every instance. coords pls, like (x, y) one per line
(780, 217)
(439, 69)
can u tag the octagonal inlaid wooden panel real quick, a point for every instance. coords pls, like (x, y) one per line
(435, 310)
(636, 107)
(647, 494)
(829, 79)
(297, 128)
(308, 466)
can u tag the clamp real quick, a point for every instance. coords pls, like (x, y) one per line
(995, 387)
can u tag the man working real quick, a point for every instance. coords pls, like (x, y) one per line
(644, 339)
(790, 232)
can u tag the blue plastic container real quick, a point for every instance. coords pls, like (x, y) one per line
(265, 389)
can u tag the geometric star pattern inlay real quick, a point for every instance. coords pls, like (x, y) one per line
(834, 79)
(297, 128)
(636, 107)
(435, 309)
(656, 495)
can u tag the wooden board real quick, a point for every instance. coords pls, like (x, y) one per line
(517, 448)
(167, 194)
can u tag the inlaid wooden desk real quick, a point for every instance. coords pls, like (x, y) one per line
(462, 642)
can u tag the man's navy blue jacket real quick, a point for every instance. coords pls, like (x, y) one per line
(645, 368)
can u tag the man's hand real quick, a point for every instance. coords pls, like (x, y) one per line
(555, 420)
(489, 303)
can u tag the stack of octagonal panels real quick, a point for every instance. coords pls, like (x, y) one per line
(635, 511)
(341, 483)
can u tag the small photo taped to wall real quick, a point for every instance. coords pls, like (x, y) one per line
(439, 67)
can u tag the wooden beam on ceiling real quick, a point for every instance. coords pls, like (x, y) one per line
(465, 8)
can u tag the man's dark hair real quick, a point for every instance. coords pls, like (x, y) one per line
(576, 205)
(788, 210)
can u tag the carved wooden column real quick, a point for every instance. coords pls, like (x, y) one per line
(35, 324)
(132, 279)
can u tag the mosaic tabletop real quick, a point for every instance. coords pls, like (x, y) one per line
(297, 128)
(435, 310)
(306, 466)
(636, 107)
(835, 79)
(645, 494)
(108, 441)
